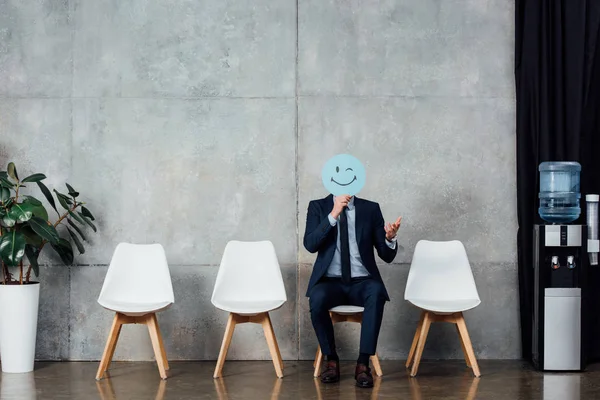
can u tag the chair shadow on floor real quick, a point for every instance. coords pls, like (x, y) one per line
(106, 390)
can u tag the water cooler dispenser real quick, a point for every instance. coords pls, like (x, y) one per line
(561, 262)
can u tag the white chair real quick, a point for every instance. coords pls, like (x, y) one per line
(136, 287)
(441, 284)
(345, 314)
(249, 285)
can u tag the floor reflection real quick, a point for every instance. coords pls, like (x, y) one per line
(223, 394)
(18, 387)
(469, 386)
(562, 386)
(107, 391)
(514, 380)
(334, 391)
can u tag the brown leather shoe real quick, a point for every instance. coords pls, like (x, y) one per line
(363, 376)
(331, 374)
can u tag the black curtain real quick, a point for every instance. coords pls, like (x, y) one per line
(557, 76)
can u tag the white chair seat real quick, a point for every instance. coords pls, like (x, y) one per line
(249, 285)
(134, 309)
(347, 310)
(441, 283)
(445, 306)
(247, 307)
(137, 286)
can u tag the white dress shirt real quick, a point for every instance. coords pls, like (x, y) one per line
(357, 268)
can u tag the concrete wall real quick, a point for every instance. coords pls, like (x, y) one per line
(191, 123)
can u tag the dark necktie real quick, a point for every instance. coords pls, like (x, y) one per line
(345, 247)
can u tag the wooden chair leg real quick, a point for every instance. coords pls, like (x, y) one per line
(413, 347)
(272, 343)
(421, 344)
(316, 356)
(154, 331)
(225, 345)
(318, 362)
(163, 350)
(464, 334)
(268, 317)
(462, 344)
(111, 344)
(376, 365)
(117, 335)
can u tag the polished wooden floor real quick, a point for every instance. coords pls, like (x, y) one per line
(510, 380)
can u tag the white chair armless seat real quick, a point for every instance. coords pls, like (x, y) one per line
(249, 285)
(347, 310)
(248, 307)
(441, 284)
(134, 309)
(445, 306)
(137, 286)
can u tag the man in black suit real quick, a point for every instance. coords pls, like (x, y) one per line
(343, 230)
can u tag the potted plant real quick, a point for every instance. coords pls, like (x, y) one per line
(25, 230)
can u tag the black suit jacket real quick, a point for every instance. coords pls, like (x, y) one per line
(321, 237)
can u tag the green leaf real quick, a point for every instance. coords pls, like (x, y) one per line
(12, 248)
(3, 174)
(47, 194)
(77, 218)
(63, 200)
(64, 249)
(37, 208)
(31, 237)
(80, 247)
(77, 229)
(41, 227)
(86, 213)
(33, 200)
(8, 221)
(34, 178)
(87, 221)
(12, 171)
(6, 183)
(72, 192)
(21, 212)
(4, 194)
(40, 212)
(32, 255)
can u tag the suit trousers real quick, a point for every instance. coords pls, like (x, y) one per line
(363, 292)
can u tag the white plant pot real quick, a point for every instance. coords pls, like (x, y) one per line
(18, 326)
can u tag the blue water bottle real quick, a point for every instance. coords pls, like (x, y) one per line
(559, 191)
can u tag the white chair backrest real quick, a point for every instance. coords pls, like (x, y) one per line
(249, 271)
(440, 271)
(138, 273)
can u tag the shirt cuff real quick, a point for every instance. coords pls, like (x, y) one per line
(332, 220)
(391, 244)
